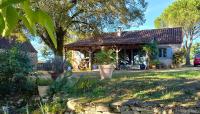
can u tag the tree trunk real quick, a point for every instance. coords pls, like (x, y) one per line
(147, 60)
(58, 52)
(60, 42)
(187, 58)
(60, 46)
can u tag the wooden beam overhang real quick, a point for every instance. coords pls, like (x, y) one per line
(97, 47)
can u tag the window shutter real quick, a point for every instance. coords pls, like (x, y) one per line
(169, 52)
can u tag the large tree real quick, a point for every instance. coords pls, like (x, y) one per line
(185, 14)
(88, 17)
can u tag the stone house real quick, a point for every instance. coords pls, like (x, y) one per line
(26, 46)
(129, 44)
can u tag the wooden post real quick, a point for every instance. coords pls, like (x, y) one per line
(117, 58)
(132, 57)
(90, 60)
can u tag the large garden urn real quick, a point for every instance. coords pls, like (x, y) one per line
(106, 71)
(106, 60)
(42, 90)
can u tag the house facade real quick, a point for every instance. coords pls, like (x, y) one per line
(129, 45)
(7, 43)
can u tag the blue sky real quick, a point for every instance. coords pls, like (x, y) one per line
(154, 9)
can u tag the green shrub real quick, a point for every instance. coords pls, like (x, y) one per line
(105, 57)
(58, 85)
(178, 57)
(44, 81)
(15, 67)
(84, 85)
(155, 62)
(99, 91)
(77, 86)
(57, 106)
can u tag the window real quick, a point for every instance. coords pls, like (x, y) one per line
(162, 52)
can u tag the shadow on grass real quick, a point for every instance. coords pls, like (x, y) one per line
(158, 87)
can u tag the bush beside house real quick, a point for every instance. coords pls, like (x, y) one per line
(25, 46)
(15, 67)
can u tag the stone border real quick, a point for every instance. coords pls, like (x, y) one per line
(129, 107)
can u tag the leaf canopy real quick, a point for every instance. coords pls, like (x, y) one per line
(14, 11)
(182, 13)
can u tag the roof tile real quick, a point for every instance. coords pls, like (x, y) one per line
(7, 43)
(163, 36)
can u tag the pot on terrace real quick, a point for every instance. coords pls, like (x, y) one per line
(106, 71)
(42, 90)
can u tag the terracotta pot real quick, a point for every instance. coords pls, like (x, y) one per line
(106, 71)
(43, 90)
(153, 66)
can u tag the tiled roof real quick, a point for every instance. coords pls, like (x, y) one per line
(162, 36)
(7, 43)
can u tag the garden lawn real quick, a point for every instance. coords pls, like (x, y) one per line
(167, 88)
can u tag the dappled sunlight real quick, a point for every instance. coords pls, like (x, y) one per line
(171, 95)
(174, 87)
(164, 88)
(144, 94)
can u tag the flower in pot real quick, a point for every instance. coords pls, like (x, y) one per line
(43, 86)
(106, 60)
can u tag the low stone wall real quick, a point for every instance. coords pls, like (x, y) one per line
(130, 107)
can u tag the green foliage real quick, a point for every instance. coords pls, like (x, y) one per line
(196, 49)
(12, 11)
(87, 18)
(10, 18)
(178, 57)
(56, 106)
(15, 67)
(84, 85)
(155, 62)
(151, 49)
(45, 20)
(105, 57)
(182, 13)
(59, 85)
(77, 86)
(44, 81)
(159, 23)
(185, 14)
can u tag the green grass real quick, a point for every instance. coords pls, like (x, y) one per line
(177, 87)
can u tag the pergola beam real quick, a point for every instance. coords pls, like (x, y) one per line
(117, 50)
(90, 51)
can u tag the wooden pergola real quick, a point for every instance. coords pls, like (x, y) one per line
(126, 40)
(92, 49)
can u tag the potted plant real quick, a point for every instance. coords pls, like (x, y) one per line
(178, 58)
(43, 86)
(106, 60)
(154, 64)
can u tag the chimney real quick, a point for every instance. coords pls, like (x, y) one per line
(119, 31)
